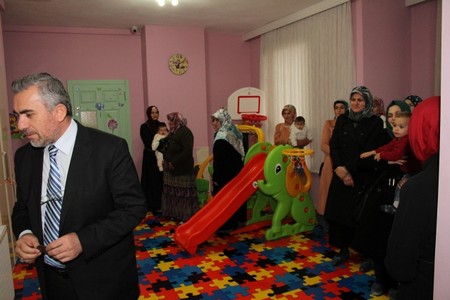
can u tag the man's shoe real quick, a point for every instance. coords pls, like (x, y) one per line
(377, 289)
(341, 257)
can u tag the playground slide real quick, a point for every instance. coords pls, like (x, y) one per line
(221, 207)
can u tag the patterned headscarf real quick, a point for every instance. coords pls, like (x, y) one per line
(368, 100)
(414, 99)
(424, 128)
(178, 121)
(403, 107)
(228, 131)
(377, 101)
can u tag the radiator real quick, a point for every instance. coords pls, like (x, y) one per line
(6, 281)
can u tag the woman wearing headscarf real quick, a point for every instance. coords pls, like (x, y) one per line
(179, 199)
(376, 220)
(412, 101)
(340, 107)
(392, 111)
(378, 109)
(151, 177)
(228, 153)
(411, 245)
(354, 133)
(282, 130)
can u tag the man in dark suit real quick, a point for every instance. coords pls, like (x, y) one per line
(93, 255)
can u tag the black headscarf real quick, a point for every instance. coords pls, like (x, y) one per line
(152, 124)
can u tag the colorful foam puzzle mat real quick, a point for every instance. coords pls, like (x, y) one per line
(232, 266)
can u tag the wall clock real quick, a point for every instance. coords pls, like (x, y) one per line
(178, 64)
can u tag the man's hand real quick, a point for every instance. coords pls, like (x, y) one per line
(66, 248)
(26, 248)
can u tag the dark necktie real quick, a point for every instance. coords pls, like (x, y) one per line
(53, 206)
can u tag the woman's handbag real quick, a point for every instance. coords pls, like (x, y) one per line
(364, 195)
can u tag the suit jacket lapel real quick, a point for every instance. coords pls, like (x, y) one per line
(81, 151)
(36, 183)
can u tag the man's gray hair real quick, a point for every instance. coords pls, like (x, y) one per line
(50, 89)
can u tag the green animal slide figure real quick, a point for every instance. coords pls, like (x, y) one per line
(289, 190)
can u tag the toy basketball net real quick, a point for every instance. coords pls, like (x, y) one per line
(298, 166)
(253, 119)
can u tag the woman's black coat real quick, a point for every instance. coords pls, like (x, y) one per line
(348, 141)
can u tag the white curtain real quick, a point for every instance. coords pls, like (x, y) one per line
(309, 64)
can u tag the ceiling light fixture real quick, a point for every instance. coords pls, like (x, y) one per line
(163, 2)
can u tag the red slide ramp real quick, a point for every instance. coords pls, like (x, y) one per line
(221, 207)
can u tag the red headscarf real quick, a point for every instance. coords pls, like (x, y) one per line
(424, 128)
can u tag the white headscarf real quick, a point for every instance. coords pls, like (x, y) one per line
(228, 131)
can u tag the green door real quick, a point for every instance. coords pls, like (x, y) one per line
(102, 104)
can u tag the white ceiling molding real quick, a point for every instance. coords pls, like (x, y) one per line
(302, 14)
(412, 2)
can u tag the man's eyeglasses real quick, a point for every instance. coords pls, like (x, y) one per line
(47, 200)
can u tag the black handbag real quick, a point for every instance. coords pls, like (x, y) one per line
(364, 195)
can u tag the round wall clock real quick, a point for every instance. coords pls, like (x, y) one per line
(178, 64)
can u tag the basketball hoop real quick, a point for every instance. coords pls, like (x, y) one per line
(295, 152)
(253, 119)
(297, 157)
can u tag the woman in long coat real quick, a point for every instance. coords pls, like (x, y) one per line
(179, 200)
(411, 247)
(354, 133)
(228, 153)
(375, 223)
(339, 107)
(151, 178)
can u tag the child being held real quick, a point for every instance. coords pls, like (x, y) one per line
(162, 133)
(397, 150)
(300, 135)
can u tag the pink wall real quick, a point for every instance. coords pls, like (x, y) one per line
(229, 62)
(87, 54)
(218, 65)
(423, 46)
(384, 51)
(392, 61)
(74, 54)
(185, 93)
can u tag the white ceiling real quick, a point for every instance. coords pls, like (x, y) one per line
(235, 16)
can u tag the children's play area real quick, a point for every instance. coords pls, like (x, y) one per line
(280, 253)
